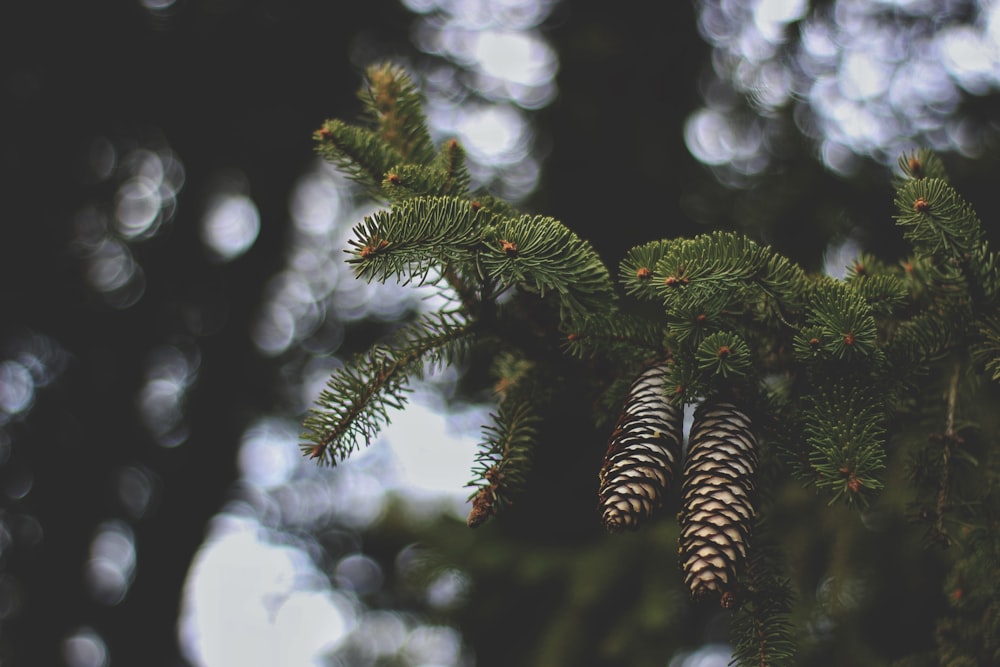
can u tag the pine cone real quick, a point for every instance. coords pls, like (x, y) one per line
(644, 448)
(718, 511)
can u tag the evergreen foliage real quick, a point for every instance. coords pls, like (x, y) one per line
(835, 375)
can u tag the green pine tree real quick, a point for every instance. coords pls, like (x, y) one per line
(867, 390)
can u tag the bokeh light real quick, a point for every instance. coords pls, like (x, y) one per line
(17, 388)
(709, 655)
(863, 80)
(230, 226)
(494, 66)
(170, 373)
(85, 648)
(111, 567)
(253, 603)
(149, 178)
(138, 490)
(308, 306)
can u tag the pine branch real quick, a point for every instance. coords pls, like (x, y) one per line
(970, 632)
(542, 255)
(844, 428)
(415, 236)
(948, 439)
(723, 270)
(637, 271)
(394, 103)
(450, 161)
(885, 294)
(358, 152)
(724, 354)
(615, 335)
(406, 181)
(922, 163)
(503, 460)
(445, 176)
(937, 221)
(396, 149)
(761, 626)
(987, 351)
(358, 397)
(842, 321)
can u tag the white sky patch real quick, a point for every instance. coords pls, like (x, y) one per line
(250, 603)
(838, 256)
(433, 457)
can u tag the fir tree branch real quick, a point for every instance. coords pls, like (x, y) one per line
(415, 236)
(922, 163)
(761, 628)
(885, 294)
(615, 334)
(724, 354)
(358, 152)
(393, 101)
(637, 271)
(406, 181)
(936, 220)
(503, 460)
(542, 255)
(948, 439)
(723, 270)
(450, 161)
(358, 397)
(844, 428)
(987, 351)
(847, 329)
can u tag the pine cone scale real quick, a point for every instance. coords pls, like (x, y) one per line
(642, 453)
(717, 494)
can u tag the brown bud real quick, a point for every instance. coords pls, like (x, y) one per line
(509, 247)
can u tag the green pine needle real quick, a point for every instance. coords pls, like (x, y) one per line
(987, 351)
(358, 152)
(761, 627)
(724, 354)
(846, 324)
(727, 270)
(415, 236)
(359, 397)
(450, 161)
(394, 103)
(885, 294)
(542, 255)
(637, 272)
(503, 460)
(845, 432)
(922, 163)
(937, 221)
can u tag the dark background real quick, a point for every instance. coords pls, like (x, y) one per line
(228, 85)
(243, 84)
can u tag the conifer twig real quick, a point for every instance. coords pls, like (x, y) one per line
(950, 438)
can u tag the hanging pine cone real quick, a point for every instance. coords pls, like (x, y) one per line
(717, 514)
(644, 449)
